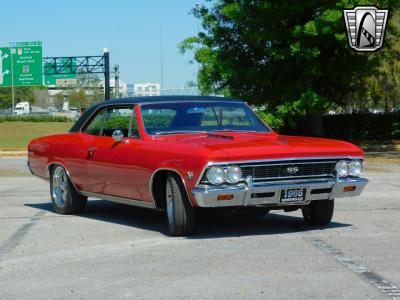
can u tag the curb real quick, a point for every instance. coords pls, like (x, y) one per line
(13, 153)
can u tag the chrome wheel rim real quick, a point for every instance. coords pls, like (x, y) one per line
(60, 188)
(170, 204)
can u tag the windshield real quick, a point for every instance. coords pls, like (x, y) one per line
(189, 117)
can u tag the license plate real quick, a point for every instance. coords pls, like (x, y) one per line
(293, 195)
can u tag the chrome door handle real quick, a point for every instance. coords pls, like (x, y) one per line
(91, 151)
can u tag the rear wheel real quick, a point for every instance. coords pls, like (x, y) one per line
(64, 196)
(180, 214)
(319, 212)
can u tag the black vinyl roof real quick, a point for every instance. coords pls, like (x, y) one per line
(148, 99)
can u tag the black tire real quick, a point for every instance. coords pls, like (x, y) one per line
(180, 213)
(65, 198)
(319, 212)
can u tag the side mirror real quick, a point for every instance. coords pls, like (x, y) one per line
(118, 135)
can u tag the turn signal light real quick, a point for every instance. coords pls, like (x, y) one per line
(349, 188)
(224, 197)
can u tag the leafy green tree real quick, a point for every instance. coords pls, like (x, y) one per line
(389, 75)
(282, 53)
(22, 94)
(58, 100)
(78, 98)
(87, 91)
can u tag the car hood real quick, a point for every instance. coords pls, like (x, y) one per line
(259, 146)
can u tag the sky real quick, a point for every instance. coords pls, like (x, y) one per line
(129, 29)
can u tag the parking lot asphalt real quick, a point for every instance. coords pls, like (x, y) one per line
(112, 251)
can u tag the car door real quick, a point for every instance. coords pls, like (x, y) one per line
(112, 164)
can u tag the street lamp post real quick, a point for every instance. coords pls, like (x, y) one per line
(106, 54)
(116, 73)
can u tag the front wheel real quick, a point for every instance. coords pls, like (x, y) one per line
(180, 214)
(319, 212)
(65, 198)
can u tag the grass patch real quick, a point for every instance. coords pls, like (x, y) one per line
(18, 134)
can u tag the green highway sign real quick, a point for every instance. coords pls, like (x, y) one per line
(63, 76)
(5, 67)
(24, 61)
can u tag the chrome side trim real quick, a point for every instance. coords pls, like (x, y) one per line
(132, 202)
(165, 169)
(211, 163)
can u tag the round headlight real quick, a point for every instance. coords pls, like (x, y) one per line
(233, 174)
(216, 175)
(355, 167)
(342, 168)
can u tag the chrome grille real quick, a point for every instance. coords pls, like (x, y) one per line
(280, 170)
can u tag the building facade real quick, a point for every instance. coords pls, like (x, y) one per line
(130, 89)
(146, 89)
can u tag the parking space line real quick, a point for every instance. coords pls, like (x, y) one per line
(384, 286)
(18, 235)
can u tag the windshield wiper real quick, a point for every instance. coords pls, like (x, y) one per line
(178, 132)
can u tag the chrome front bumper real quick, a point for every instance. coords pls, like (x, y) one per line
(268, 194)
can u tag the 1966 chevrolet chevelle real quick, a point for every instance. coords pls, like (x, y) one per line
(181, 154)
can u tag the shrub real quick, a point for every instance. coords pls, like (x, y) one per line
(272, 120)
(352, 127)
(34, 118)
(396, 131)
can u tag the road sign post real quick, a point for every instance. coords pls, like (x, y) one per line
(57, 66)
(12, 82)
(21, 64)
(65, 72)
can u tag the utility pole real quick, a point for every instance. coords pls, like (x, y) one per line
(116, 69)
(162, 60)
(106, 54)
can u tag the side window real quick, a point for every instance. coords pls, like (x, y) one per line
(94, 127)
(117, 118)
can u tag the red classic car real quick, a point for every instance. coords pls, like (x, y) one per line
(184, 153)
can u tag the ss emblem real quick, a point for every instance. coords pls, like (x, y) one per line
(292, 170)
